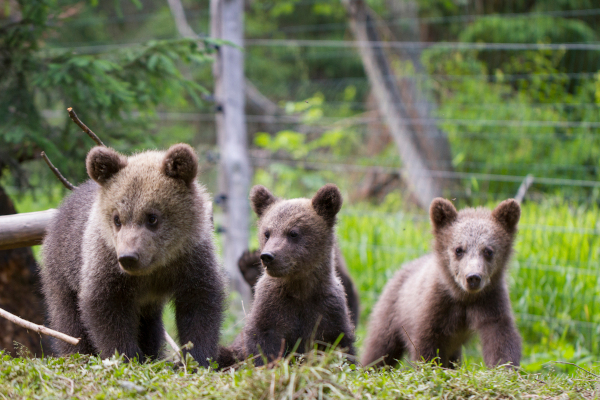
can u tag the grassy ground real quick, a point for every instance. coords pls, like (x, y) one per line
(319, 376)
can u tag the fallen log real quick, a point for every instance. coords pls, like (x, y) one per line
(24, 230)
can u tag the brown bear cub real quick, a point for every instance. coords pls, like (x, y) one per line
(126, 242)
(299, 297)
(251, 268)
(433, 304)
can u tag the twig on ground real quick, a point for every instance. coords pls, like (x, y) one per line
(87, 130)
(173, 345)
(38, 328)
(56, 172)
(575, 365)
(411, 342)
(410, 363)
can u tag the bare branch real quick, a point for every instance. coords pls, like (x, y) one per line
(61, 178)
(87, 130)
(254, 96)
(411, 342)
(171, 342)
(575, 365)
(38, 328)
(184, 29)
(527, 182)
(178, 354)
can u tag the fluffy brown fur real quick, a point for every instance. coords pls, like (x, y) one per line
(300, 297)
(124, 243)
(433, 304)
(251, 269)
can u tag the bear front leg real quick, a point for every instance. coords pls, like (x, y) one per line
(267, 344)
(455, 358)
(64, 317)
(198, 318)
(427, 347)
(347, 344)
(111, 319)
(501, 342)
(152, 331)
(382, 348)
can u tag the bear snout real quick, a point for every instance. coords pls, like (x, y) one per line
(129, 261)
(474, 282)
(267, 257)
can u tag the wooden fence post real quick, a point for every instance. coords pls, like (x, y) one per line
(235, 171)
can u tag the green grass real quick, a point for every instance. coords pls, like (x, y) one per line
(318, 376)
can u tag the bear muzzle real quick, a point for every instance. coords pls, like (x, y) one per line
(129, 261)
(132, 264)
(474, 282)
(275, 267)
(267, 257)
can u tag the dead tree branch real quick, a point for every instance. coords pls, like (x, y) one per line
(255, 98)
(56, 172)
(417, 174)
(38, 328)
(527, 182)
(87, 130)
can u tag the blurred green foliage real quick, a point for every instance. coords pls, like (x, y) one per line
(114, 93)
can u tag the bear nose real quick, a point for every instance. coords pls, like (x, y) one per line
(267, 257)
(129, 260)
(473, 281)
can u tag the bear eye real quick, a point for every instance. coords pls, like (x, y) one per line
(152, 220)
(117, 221)
(293, 234)
(488, 252)
(267, 234)
(459, 251)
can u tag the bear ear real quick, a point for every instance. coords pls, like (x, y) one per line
(327, 202)
(181, 162)
(261, 199)
(508, 214)
(102, 163)
(442, 213)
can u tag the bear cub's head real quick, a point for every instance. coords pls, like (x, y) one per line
(475, 245)
(148, 204)
(295, 235)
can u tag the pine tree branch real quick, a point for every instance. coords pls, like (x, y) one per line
(38, 328)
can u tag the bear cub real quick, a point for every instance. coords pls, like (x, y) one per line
(433, 304)
(251, 268)
(300, 296)
(135, 236)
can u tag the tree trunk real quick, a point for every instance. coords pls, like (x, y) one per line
(416, 170)
(235, 173)
(19, 294)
